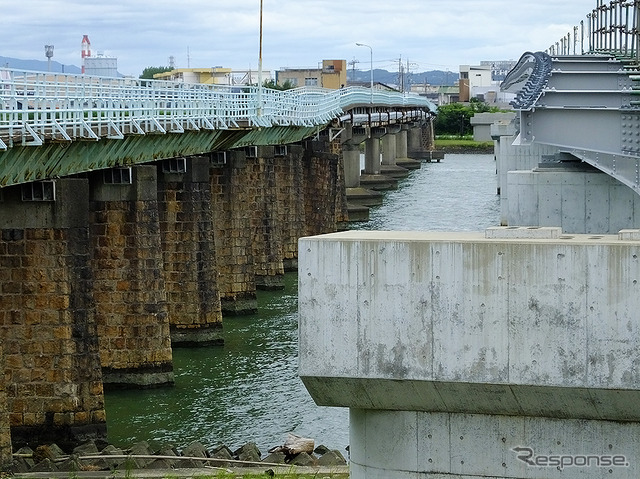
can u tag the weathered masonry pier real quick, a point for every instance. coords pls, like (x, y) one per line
(134, 215)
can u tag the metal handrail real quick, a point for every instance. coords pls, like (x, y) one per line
(613, 27)
(35, 106)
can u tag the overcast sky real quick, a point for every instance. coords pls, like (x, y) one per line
(431, 34)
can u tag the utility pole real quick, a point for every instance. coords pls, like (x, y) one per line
(353, 64)
(409, 65)
(400, 74)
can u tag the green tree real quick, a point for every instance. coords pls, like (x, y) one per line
(148, 72)
(453, 119)
(287, 85)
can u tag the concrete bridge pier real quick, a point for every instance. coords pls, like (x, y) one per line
(372, 152)
(372, 176)
(389, 147)
(457, 362)
(402, 150)
(389, 154)
(52, 379)
(359, 199)
(539, 185)
(351, 156)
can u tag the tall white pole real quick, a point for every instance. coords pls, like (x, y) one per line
(371, 51)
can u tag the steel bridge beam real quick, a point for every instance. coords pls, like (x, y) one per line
(587, 106)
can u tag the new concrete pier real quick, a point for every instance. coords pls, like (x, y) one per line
(465, 355)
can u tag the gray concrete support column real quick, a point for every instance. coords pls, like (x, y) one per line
(351, 158)
(389, 145)
(401, 143)
(372, 156)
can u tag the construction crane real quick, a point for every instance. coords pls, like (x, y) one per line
(86, 50)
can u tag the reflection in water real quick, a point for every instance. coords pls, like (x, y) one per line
(248, 390)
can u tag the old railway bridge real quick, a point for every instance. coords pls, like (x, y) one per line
(134, 213)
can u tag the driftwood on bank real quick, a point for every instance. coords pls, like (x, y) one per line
(295, 445)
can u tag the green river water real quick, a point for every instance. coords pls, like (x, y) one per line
(248, 390)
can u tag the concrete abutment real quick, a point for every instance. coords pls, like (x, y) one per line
(451, 354)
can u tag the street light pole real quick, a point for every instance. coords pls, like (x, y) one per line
(371, 50)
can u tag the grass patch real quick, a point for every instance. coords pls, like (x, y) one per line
(442, 143)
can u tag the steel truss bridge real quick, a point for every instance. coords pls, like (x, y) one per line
(54, 125)
(583, 94)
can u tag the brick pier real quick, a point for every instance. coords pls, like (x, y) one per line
(101, 274)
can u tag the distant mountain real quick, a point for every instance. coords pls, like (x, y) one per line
(37, 65)
(433, 77)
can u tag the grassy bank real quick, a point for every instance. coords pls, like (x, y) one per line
(463, 145)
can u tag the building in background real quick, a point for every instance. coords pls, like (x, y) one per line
(209, 76)
(213, 76)
(333, 75)
(101, 66)
(499, 69)
(438, 94)
(472, 79)
(483, 82)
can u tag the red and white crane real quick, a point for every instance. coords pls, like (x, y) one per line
(86, 49)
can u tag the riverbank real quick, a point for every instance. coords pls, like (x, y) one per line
(464, 146)
(202, 473)
(296, 459)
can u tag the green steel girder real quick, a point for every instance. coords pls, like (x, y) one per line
(23, 164)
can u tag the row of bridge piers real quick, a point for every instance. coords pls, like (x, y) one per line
(103, 273)
(390, 152)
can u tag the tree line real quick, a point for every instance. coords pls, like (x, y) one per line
(455, 118)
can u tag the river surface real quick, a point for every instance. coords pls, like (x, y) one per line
(248, 390)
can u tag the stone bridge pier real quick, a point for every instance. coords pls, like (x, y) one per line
(101, 275)
(420, 139)
(508, 354)
(52, 380)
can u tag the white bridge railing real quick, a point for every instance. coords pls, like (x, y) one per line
(39, 106)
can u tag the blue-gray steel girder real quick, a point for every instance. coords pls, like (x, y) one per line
(587, 106)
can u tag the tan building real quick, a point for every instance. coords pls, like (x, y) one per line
(211, 76)
(333, 75)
